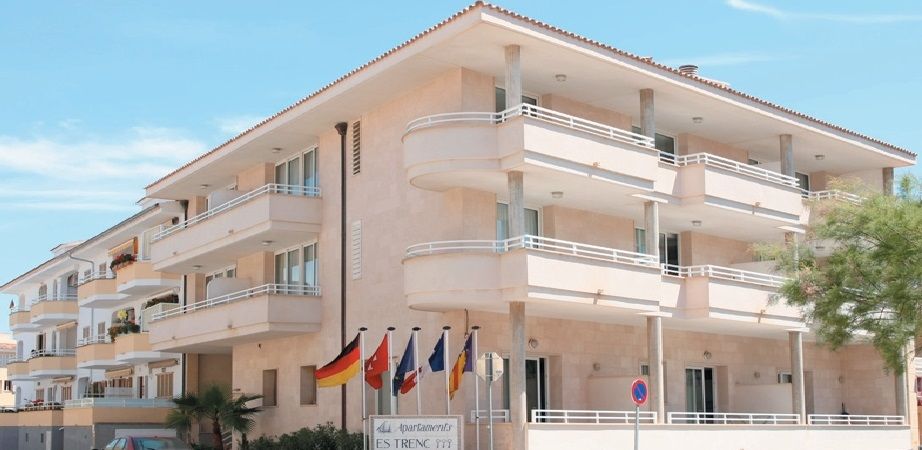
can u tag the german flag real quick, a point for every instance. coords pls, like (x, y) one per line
(342, 368)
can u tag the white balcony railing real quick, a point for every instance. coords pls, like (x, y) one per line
(731, 165)
(271, 289)
(98, 275)
(499, 415)
(118, 402)
(100, 339)
(18, 308)
(534, 243)
(726, 273)
(581, 417)
(848, 419)
(272, 188)
(833, 194)
(52, 352)
(698, 418)
(536, 112)
(55, 298)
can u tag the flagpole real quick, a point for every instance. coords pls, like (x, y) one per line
(364, 403)
(474, 330)
(390, 370)
(447, 370)
(419, 401)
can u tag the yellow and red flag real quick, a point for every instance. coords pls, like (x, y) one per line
(342, 368)
(464, 363)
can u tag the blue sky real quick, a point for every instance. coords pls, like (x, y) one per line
(99, 100)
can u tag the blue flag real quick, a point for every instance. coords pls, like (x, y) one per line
(406, 366)
(437, 360)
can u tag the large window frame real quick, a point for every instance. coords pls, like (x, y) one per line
(297, 166)
(502, 226)
(283, 266)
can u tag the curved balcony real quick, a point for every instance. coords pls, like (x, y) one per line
(54, 310)
(272, 217)
(474, 149)
(99, 290)
(134, 348)
(217, 324)
(21, 320)
(96, 352)
(555, 278)
(52, 363)
(17, 369)
(139, 278)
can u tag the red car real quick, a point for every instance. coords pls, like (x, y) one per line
(147, 443)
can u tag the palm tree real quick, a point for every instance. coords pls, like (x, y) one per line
(217, 405)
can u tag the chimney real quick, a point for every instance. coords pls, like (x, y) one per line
(689, 69)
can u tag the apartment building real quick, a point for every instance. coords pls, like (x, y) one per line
(591, 210)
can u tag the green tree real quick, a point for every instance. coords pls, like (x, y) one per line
(216, 405)
(870, 284)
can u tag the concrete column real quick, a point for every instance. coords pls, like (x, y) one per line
(787, 154)
(518, 409)
(888, 180)
(796, 340)
(903, 382)
(513, 75)
(651, 227)
(647, 121)
(657, 368)
(516, 185)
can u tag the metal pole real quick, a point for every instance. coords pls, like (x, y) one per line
(390, 370)
(489, 377)
(475, 329)
(364, 403)
(447, 369)
(636, 426)
(419, 401)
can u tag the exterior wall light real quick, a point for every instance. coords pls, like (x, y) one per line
(707, 355)
(819, 157)
(557, 194)
(696, 223)
(697, 120)
(560, 77)
(533, 343)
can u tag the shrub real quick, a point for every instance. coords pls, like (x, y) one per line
(168, 298)
(321, 437)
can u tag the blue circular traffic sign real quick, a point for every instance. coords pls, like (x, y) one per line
(639, 392)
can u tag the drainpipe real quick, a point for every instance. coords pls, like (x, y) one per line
(185, 292)
(92, 321)
(341, 129)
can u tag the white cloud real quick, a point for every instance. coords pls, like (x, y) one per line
(88, 172)
(234, 125)
(725, 59)
(869, 18)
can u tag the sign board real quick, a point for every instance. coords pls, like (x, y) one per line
(639, 392)
(490, 367)
(419, 432)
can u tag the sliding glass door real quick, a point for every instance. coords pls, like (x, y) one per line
(297, 267)
(298, 171)
(699, 390)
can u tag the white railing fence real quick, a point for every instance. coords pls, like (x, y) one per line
(52, 352)
(534, 243)
(118, 402)
(536, 112)
(499, 416)
(100, 339)
(698, 418)
(580, 417)
(55, 298)
(271, 188)
(833, 194)
(98, 275)
(734, 166)
(849, 419)
(727, 273)
(271, 289)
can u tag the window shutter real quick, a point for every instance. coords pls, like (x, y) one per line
(357, 250)
(356, 147)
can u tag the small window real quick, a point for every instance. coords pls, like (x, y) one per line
(803, 180)
(785, 377)
(270, 378)
(308, 385)
(645, 370)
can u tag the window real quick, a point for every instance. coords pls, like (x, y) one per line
(298, 171)
(66, 393)
(297, 266)
(661, 142)
(668, 246)
(7, 385)
(501, 100)
(39, 395)
(164, 385)
(803, 180)
(535, 384)
(502, 222)
(270, 378)
(227, 272)
(785, 377)
(308, 385)
(142, 387)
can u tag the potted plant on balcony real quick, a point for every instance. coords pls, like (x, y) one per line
(168, 298)
(121, 261)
